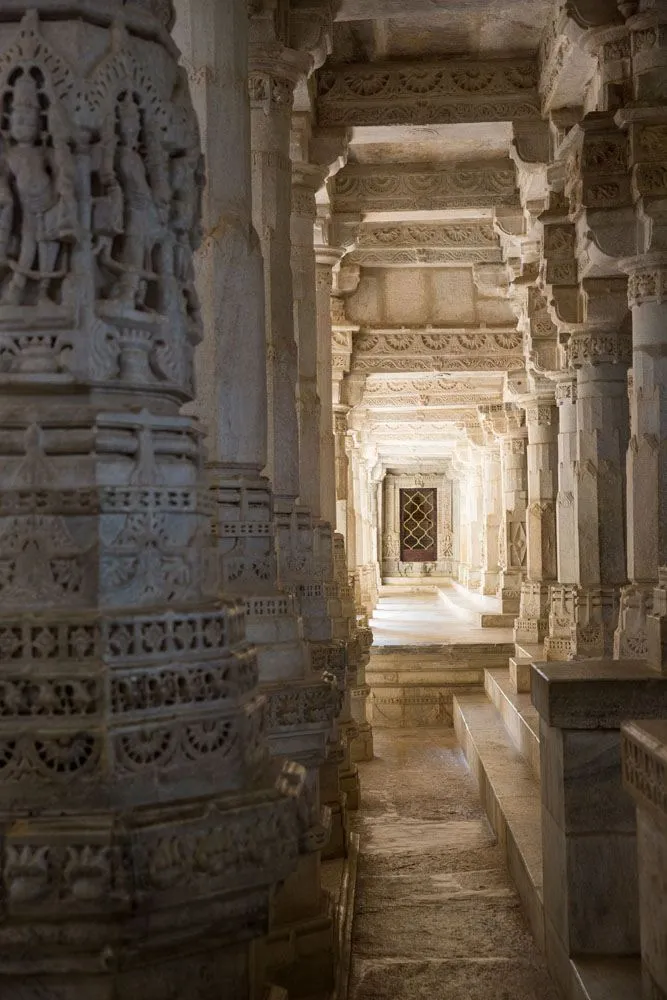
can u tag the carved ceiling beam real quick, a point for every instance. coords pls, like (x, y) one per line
(565, 67)
(430, 92)
(437, 243)
(437, 350)
(415, 187)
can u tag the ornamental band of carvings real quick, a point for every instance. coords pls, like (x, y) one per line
(414, 188)
(428, 93)
(508, 342)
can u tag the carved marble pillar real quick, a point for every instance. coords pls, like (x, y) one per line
(491, 517)
(558, 643)
(391, 537)
(541, 559)
(467, 463)
(326, 259)
(142, 829)
(233, 405)
(644, 122)
(646, 457)
(601, 358)
(274, 71)
(507, 422)
(306, 180)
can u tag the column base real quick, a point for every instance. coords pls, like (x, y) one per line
(631, 636)
(490, 583)
(656, 625)
(332, 795)
(532, 625)
(582, 622)
(361, 747)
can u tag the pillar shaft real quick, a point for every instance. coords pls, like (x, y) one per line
(229, 268)
(273, 75)
(306, 180)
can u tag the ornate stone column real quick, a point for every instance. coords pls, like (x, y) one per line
(391, 537)
(142, 827)
(302, 705)
(274, 71)
(601, 358)
(491, 516)
(306, 180)
(326, 259)
(467, 462)
(507, 422)
(644, 122)
(558, 643)
(541, 560)
(646, 458)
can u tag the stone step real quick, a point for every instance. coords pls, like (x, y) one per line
(606, 979)
(475, 609)
(414, 685)
(510, 794)
(516, 710)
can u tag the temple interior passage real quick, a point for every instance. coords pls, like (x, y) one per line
(333, 500)
(437, 914)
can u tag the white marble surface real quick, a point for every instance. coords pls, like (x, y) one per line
(406, 616)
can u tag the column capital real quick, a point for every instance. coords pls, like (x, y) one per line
(273, 72)
(504, 420)
(647, 278)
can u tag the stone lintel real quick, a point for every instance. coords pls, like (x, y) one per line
(443, 91)
(597, 694)
(419, 187)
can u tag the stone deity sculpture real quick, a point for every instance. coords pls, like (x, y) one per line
(41, 175)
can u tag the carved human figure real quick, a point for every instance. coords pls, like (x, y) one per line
(134, 175)
(187, 179)
(40, 170)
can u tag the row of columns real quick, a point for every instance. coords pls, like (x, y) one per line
(265, 401)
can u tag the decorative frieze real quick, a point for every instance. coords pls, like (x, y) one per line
(414, 187)
(428, 92)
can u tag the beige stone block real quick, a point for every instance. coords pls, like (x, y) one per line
(603, 895)
(652, 855)
(593, 794)
(520, 674)
(558, 960)
(555, 888)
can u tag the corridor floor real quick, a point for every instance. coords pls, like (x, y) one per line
(436, 916)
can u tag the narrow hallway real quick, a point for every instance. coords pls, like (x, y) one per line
(437, 916)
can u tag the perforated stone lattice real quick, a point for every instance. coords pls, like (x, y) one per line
(418, 520)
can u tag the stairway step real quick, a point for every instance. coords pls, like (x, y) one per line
(606, 978)
(516, 710)
(510, 794)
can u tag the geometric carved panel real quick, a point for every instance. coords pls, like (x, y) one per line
(419, 525)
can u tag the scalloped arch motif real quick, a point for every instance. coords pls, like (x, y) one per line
(89, 101)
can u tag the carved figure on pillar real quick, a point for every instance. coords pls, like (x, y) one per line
(38, 223)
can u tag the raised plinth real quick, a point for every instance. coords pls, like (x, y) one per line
(589, 832)
(645, 778)
(414, 685)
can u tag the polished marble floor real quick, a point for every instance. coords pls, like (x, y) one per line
(419, 617)
(436, 916)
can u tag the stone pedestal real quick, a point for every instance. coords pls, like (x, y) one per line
(589, 833)
(645, 778)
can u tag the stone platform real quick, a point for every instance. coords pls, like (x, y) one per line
(422, 654)
(499, 733)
